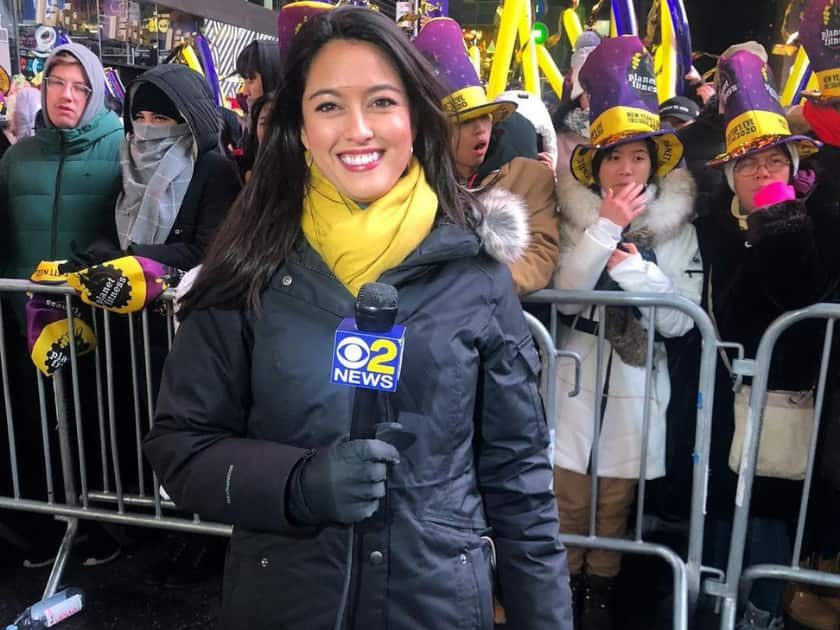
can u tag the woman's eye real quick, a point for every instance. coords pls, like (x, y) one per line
(326, 107)
(384, 102)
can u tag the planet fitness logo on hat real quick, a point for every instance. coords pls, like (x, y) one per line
(831, 21)
(640, 74)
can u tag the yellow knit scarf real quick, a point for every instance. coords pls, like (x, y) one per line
(358, 244)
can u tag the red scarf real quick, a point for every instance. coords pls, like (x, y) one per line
(825, 121)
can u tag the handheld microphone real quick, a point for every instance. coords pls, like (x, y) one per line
(368, 348)
(368, 356)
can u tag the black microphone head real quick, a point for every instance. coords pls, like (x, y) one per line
(376, 307)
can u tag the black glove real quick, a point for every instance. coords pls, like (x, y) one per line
(99, 251)
(340, 484)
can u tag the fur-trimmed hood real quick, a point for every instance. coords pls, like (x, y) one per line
(670, 208)
(502, 224)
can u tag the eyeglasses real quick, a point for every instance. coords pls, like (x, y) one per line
(749, 166)
(79, 90)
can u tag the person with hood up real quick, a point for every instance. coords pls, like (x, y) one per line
(625, 225)
(177, 183)
(57, 187)
(767, 250)
(60, 185)
(512, 176)
(365, 523)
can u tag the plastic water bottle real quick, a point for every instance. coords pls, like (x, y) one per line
(50, 611)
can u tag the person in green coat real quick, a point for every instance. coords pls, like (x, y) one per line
(57, 188)
(60, 185)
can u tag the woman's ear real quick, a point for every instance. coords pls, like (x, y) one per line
(303, 139)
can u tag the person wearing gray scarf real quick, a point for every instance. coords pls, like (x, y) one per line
(157, 161)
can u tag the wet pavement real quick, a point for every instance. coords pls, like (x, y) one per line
(116, 595)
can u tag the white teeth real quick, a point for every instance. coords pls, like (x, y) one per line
(360, 159)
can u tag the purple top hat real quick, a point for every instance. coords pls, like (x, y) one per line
(442, 42)
(293, 16)
(754, 118)
(819, 33)
(623, 106)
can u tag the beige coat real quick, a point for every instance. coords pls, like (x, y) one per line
(533, 182)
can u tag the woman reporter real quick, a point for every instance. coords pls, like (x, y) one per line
(249, 431)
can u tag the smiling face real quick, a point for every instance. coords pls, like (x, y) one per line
(65, 99)
(469, 144)
(624, 165)
(356, 119)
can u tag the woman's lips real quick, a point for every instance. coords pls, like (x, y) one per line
(357, 161)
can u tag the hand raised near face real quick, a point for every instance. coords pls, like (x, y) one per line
(625, 205)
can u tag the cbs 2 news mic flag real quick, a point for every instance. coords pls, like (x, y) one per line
(371, 360)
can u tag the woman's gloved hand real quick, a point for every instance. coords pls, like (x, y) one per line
(341, 483)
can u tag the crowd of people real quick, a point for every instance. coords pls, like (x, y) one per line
(368, 157)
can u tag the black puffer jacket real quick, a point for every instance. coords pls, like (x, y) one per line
(244, 396)
(826, 194)
(215, 182)
(791, 261)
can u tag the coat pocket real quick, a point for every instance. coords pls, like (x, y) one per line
(270, 580)
(468, 557)
(528, 355)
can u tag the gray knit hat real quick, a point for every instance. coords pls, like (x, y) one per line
(95, 76)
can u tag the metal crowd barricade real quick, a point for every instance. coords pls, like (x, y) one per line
(738, 577)
(85, 498)
(686, 574)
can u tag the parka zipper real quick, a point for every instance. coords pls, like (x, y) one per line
(54, 226)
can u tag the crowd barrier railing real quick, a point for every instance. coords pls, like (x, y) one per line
(686, 573)
(738, 577)
(61, 406)
(106, 497)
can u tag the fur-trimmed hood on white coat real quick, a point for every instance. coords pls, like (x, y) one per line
(670, 207)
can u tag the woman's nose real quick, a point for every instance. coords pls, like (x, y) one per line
(358, 127)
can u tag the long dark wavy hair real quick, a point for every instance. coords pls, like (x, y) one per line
(263, 225)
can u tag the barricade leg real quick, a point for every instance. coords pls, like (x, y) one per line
(70, 497)
(62, 556)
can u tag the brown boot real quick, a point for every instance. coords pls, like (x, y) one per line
(804, 606)
(831, 596)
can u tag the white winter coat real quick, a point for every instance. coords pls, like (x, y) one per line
(586, 245)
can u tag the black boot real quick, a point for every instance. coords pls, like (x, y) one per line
(576, 583)
(598, 604)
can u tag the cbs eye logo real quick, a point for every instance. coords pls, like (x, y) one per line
(354, 353)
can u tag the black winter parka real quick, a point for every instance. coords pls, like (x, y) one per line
(245, 396)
